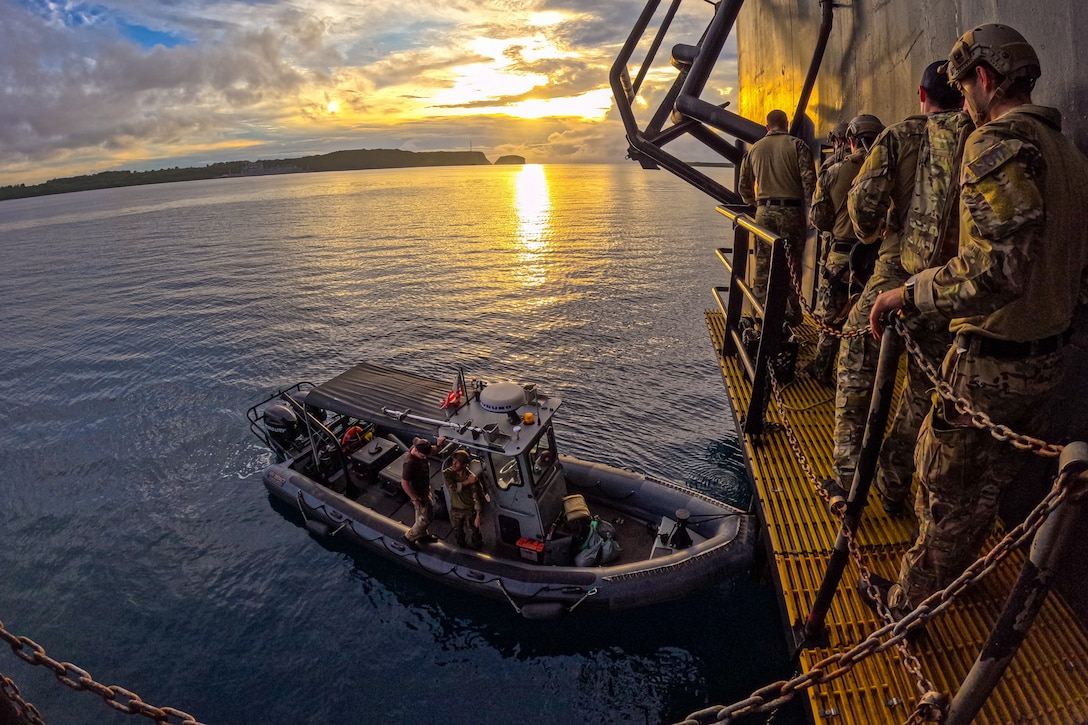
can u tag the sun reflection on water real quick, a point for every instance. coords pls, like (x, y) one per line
(533, 204)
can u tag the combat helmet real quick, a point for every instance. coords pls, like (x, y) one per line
(838, 133)
(1002, 47)
(865, 126)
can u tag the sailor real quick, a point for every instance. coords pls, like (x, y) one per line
(1009, 294)
(466, 500)
(877, 204)
(416, 482)
(778, 175)
(830, 217)
(930, 239)
(840, 149)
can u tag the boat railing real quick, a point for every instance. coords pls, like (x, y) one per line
(768, 315)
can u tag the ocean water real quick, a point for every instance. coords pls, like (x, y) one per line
(137, 541)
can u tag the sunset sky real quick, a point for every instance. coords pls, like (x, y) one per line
(133, 84)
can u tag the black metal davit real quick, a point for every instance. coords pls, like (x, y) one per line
(710, 124)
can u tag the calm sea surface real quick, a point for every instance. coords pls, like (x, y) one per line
(137, 541)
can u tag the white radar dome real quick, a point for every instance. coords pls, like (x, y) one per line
(502, 397)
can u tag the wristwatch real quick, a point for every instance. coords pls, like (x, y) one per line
(908, 293)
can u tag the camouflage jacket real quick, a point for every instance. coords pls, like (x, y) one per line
(880, 198)
(778, 166)
(828, 212)
(1023, 248)
(932, 227)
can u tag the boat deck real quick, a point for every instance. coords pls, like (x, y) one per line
(1047, 681)
(636, 537)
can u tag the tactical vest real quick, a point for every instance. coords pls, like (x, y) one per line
(932, 226)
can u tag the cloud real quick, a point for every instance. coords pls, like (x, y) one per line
(136, 84)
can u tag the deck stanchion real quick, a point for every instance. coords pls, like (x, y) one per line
(774, 315)
(813, 630)
(1027, 596)
(741, 241)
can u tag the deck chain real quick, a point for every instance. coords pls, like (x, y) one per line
(830, 668)
(931, 705)
(979, 419)
(795, 280)
(78, 678)
(26, 712)
(838, 508)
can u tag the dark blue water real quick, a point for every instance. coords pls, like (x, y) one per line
(137, 541)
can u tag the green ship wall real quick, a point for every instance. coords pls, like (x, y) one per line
(874, 58)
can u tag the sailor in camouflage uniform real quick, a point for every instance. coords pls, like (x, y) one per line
(778, 176)
(840, 148)
(1010, 294)
(878, 204)
(930, 240)
(830, 217)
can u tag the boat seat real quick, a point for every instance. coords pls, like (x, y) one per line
(575, 510)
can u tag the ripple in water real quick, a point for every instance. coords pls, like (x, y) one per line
(137, 540)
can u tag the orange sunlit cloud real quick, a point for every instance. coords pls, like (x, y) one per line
(187, 82)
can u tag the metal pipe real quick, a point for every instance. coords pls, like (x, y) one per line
(879, 406)
(710, 47)
(1029, 593)
(719, 118)
(655, 45)
(619, 67)
(826, 21)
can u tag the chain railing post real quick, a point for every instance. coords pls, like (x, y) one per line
(735, 305)
(813, 630)
(1028, 594)
(770, 337)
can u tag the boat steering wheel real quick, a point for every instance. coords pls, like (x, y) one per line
(508, 474)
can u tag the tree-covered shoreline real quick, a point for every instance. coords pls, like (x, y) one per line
(335, 161)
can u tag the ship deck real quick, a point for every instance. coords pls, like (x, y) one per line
(1047, 681)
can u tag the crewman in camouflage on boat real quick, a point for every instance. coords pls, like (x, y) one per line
(1009, 294)
(831, 218)
(778, 176)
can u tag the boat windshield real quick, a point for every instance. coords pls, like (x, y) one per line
(507, 471)
(544, 458)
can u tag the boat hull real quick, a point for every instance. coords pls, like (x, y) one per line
(545, 591)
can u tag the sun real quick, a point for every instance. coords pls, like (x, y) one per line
(333, 107)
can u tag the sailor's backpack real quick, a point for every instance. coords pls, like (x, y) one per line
(932, 223)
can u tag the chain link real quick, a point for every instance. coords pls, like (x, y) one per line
(838, 508)
(963, 405)
(79, 679)
(931, 705)
(27, 712)
(795, 280)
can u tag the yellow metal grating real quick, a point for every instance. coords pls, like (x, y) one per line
(1047, 682)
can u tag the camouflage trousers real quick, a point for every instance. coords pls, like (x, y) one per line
(962, 470)
(897, 453)
(832, 306)
(857, 362)
(424, 513)
(464, 527)
(789, 222)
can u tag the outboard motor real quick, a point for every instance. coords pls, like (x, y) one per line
(282, 425)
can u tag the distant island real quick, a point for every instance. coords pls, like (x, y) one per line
(511, 159)
(335, 161)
